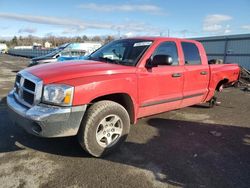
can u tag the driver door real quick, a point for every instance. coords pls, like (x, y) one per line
(160, 88)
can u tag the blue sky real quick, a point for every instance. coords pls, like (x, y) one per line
(191, 18)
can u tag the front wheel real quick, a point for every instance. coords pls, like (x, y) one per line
(104, 127)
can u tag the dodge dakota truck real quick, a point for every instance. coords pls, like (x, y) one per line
(98, 99)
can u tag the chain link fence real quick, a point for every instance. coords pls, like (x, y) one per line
(30, 53)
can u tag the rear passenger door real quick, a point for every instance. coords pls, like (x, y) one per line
(196, 75)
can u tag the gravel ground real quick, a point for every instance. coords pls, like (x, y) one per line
(191, 147)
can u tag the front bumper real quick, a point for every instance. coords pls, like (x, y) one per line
(46, 120)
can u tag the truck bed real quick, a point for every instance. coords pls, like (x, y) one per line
(226, 74)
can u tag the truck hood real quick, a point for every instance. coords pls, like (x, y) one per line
(57, 72)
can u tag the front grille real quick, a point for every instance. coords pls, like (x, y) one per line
(28, 89)
(28, 97)
(18, 77)
(29, 85)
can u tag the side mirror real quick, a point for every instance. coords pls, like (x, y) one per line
(162, 60)
(149, 64)
(159, 60)
(57, 55)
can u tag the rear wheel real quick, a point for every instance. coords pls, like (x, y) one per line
(104, 127)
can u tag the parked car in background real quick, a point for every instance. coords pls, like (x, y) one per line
(71, 51)
(61, 47)
(50, 57)
(85, 50)
(3, 48)
(72, 55)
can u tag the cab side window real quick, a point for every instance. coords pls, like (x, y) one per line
(191, 53)
(168, 48)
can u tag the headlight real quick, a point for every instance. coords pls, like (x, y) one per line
(58, 94)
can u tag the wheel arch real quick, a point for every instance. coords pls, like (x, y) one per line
(220, 83)
(123, 99)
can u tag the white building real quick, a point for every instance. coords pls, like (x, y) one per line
(47, 44)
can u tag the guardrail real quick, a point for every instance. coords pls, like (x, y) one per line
(30, 53)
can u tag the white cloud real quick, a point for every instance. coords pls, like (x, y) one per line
(184, 33)
(215, 23)
(151, 9)
(129, 34)
(70, 30)
(51, 20)
(133, 27)
(77, 26)
(27, 30)
(247, 27)
(226, 31)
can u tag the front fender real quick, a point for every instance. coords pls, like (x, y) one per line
(89, 88)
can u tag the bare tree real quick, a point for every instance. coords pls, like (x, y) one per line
(55, 41)
(108, 39)
(85, 38)
(96, 38)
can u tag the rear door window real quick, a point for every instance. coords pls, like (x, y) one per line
(191, 53)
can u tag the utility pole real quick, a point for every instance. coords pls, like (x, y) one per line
(119, 33)
(168, 33)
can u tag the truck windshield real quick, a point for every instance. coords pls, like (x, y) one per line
(124, 52)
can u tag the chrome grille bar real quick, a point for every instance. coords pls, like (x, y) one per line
(28, 88)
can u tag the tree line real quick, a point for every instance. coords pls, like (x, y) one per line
(54, 40)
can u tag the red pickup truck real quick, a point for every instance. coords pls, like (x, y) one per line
(97, 99)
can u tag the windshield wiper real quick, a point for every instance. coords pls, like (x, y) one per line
(106, 60)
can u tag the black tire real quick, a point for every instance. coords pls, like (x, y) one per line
(237, 84)
(212, 102)
(91, 120)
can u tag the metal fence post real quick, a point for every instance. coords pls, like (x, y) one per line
(225, 50)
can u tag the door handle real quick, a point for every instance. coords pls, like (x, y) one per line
(203, 72)
(176, 75)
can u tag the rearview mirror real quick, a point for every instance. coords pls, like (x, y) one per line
(57, 55)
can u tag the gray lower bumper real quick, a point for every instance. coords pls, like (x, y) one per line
(46, 120)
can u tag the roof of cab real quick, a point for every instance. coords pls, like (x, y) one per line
(161, 38)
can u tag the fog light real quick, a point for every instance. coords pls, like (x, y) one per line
(36, 128)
